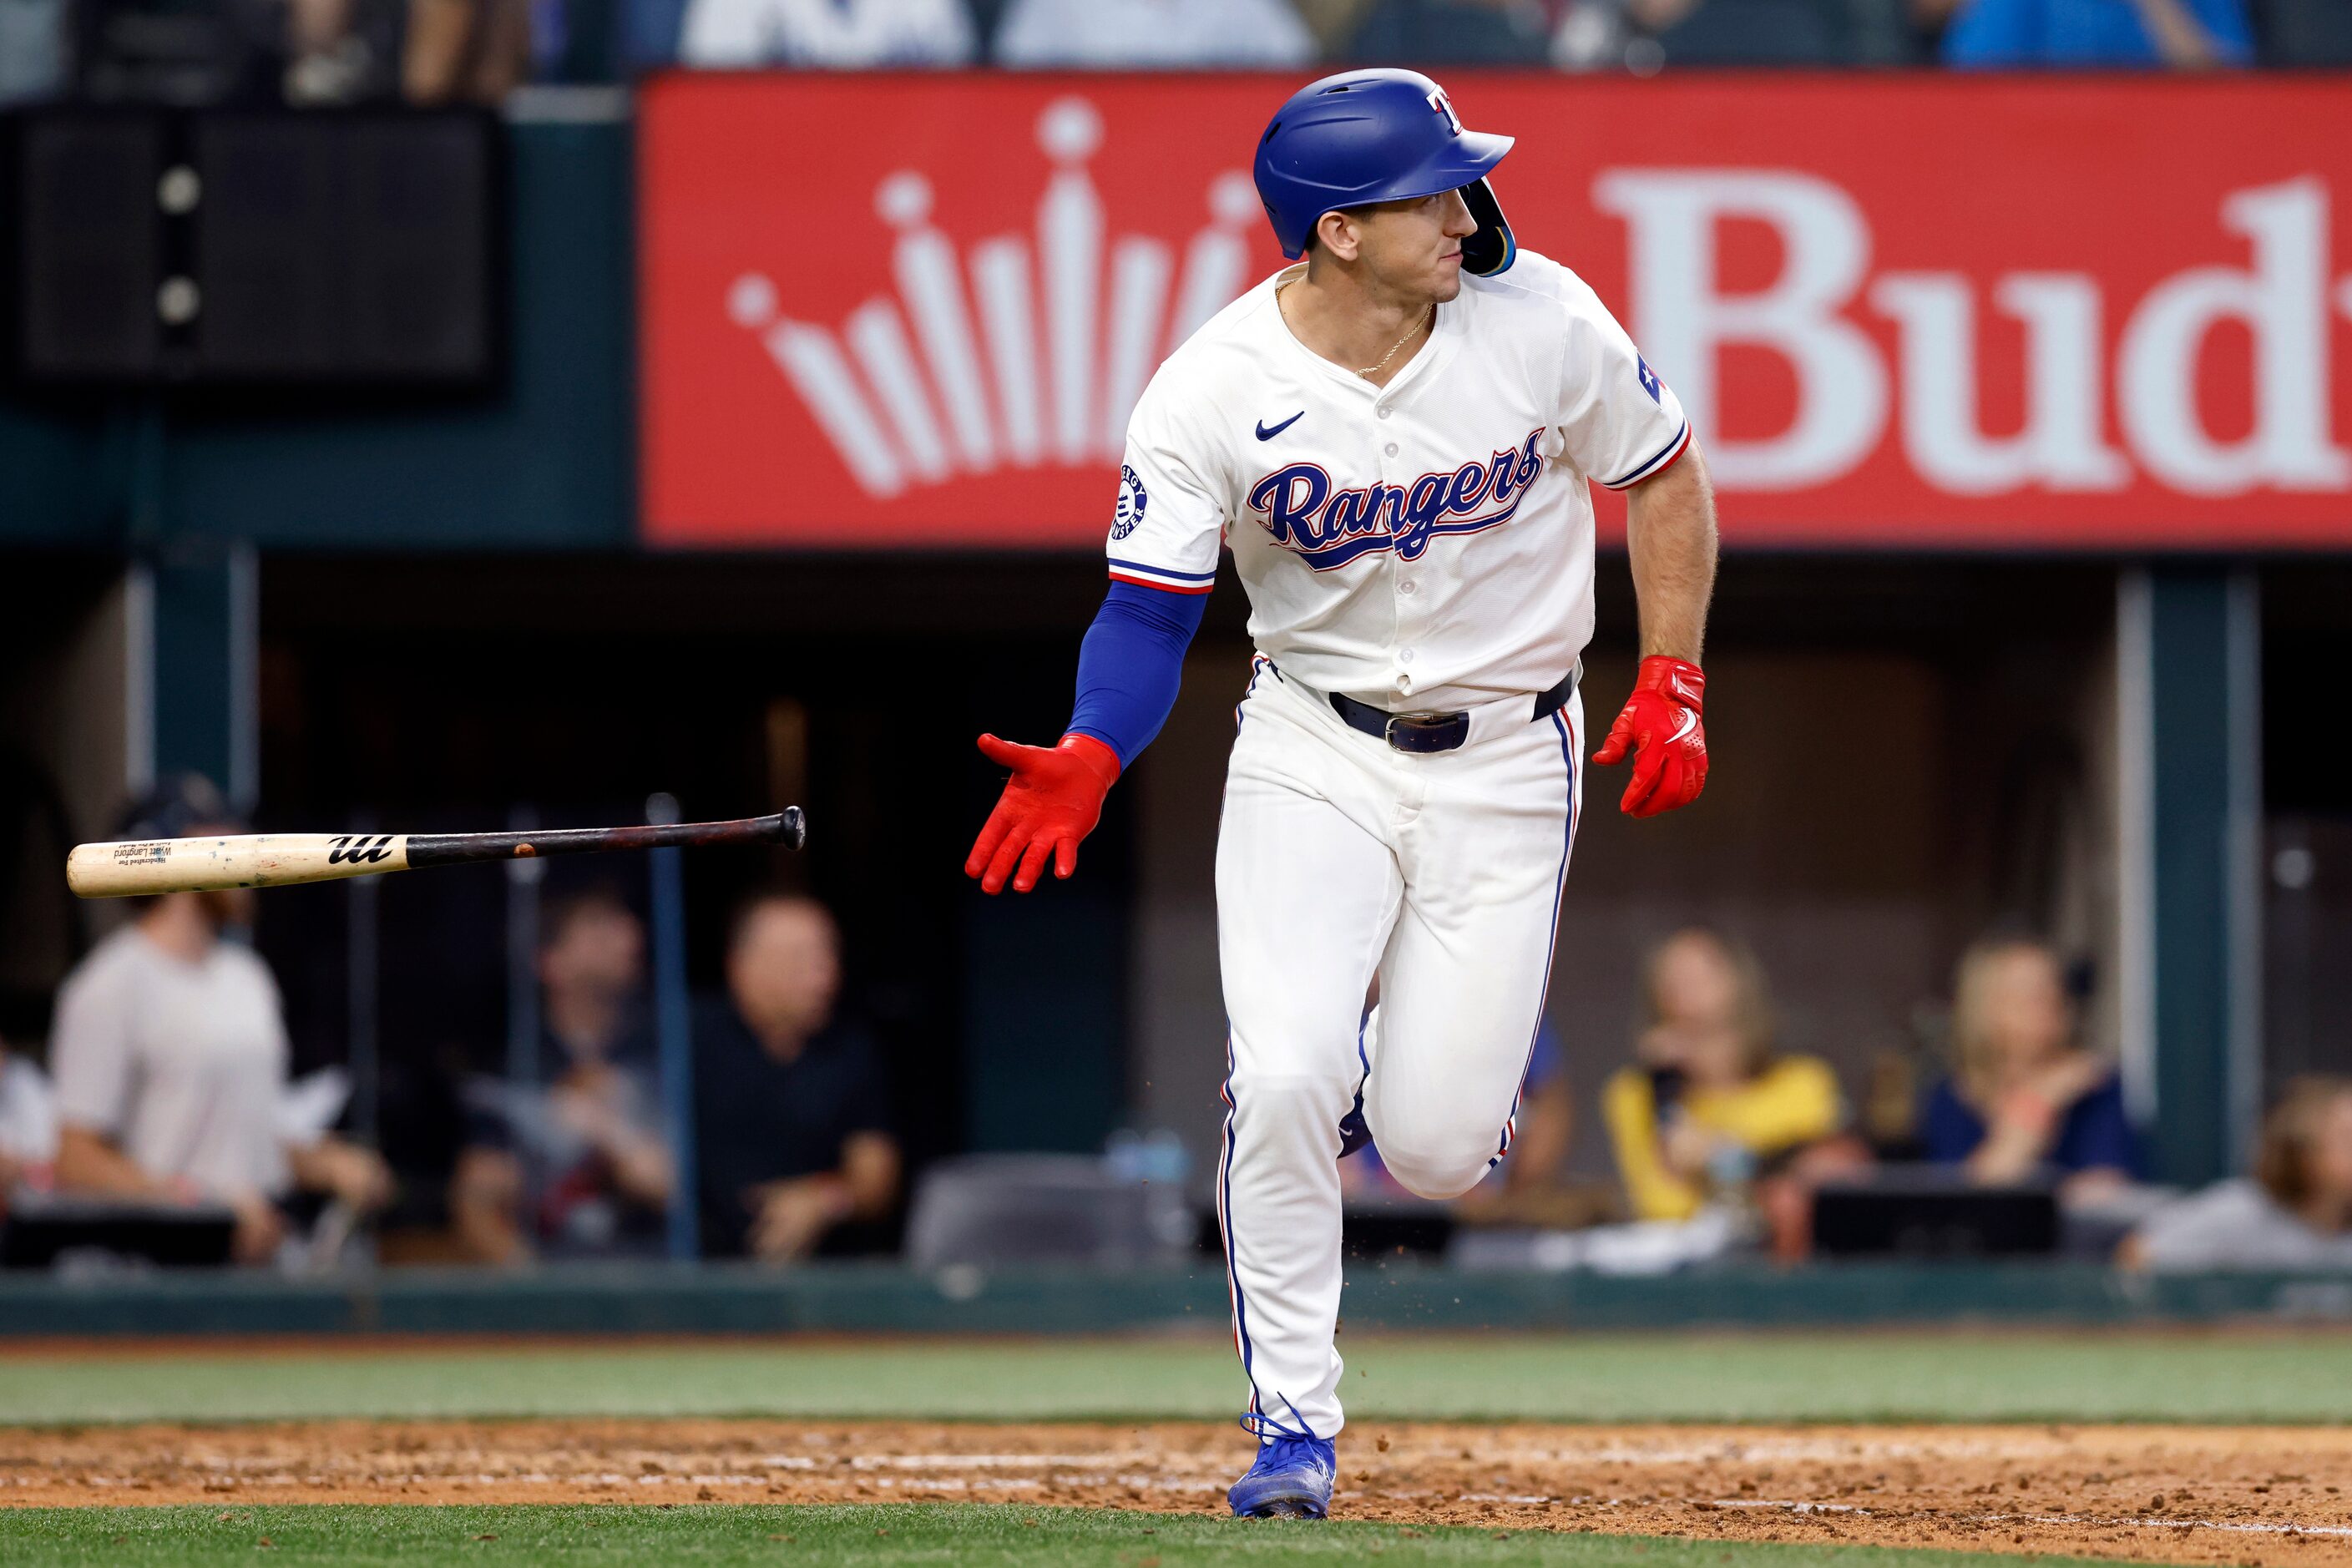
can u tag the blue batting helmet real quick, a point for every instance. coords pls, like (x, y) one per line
(1369, 136)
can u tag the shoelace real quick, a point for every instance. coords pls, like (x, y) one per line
(1268, 1429)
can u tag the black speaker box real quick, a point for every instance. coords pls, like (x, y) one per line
(1906, 1215)
(254, 248)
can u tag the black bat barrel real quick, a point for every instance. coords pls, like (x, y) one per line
(787, 827)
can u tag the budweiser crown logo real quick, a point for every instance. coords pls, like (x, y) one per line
(912, 390)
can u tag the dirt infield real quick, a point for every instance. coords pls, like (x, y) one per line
(2248, 1495)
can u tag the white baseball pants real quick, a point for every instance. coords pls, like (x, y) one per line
(1340, 859)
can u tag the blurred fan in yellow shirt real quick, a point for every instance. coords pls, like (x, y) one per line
(1707, 1110)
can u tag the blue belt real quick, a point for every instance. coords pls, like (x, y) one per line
(1426, 733)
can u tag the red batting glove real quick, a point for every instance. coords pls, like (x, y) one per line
(1659, 729)
(1053, 800)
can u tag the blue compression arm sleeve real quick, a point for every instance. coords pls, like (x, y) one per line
(1130, 663)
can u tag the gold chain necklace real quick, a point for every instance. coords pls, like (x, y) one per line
(1370, 371)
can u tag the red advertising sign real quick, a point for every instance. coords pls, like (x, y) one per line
(1903, 311)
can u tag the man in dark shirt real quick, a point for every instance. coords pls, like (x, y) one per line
(791, 1114)
(578, 1164)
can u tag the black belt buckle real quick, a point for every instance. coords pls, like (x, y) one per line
(1422, 733)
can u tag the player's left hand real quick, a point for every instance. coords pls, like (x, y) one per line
(1659, 728)
(1052, 800)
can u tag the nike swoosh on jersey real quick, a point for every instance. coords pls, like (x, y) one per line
(1266, 434)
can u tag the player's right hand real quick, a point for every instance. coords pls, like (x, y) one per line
(1052, 800)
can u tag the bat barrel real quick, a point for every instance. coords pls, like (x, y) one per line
(787, 827)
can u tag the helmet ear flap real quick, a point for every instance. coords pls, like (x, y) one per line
(1491, 249)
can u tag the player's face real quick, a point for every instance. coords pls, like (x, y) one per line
(1413, 248)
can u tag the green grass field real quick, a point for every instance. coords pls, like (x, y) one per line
(960, 1533)
(2220, 1378)
(2217, 1378)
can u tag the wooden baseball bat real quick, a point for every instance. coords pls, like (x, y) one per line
(277, 859)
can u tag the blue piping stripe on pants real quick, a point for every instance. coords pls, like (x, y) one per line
(1226, 1215)
(1226, 1161)
(1568, 746)
(1364, 1060)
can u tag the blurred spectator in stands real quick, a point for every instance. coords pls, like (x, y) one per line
(464, 51)
(791, 1113)
(29, 1124)
(328, 62)
(2305, 33)
(172, 51)
(32, 50)
(194, 53)
(1682, 33)
(1708, 1112)
(1455, 32)
(1930, 20)
(2178, 35)
(578, 1164)
(2296, 1212)
(834, 34)
(1332, 22)
(2024, 1100)
(171, 1058)
(1152, 34)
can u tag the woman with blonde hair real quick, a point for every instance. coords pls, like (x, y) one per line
(1707, 1105)
(2024, 1098)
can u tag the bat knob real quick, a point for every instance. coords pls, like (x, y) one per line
(795, 827)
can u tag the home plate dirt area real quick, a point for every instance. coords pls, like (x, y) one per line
(2160, 1494)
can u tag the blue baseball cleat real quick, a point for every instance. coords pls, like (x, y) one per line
(1291, 1478)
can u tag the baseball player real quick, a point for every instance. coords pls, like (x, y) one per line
(1395, 439)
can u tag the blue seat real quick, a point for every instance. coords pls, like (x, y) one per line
(991, 1211)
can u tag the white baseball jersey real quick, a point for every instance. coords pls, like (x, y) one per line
(1422, 545)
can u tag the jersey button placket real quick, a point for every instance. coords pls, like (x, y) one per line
(1407, 624)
